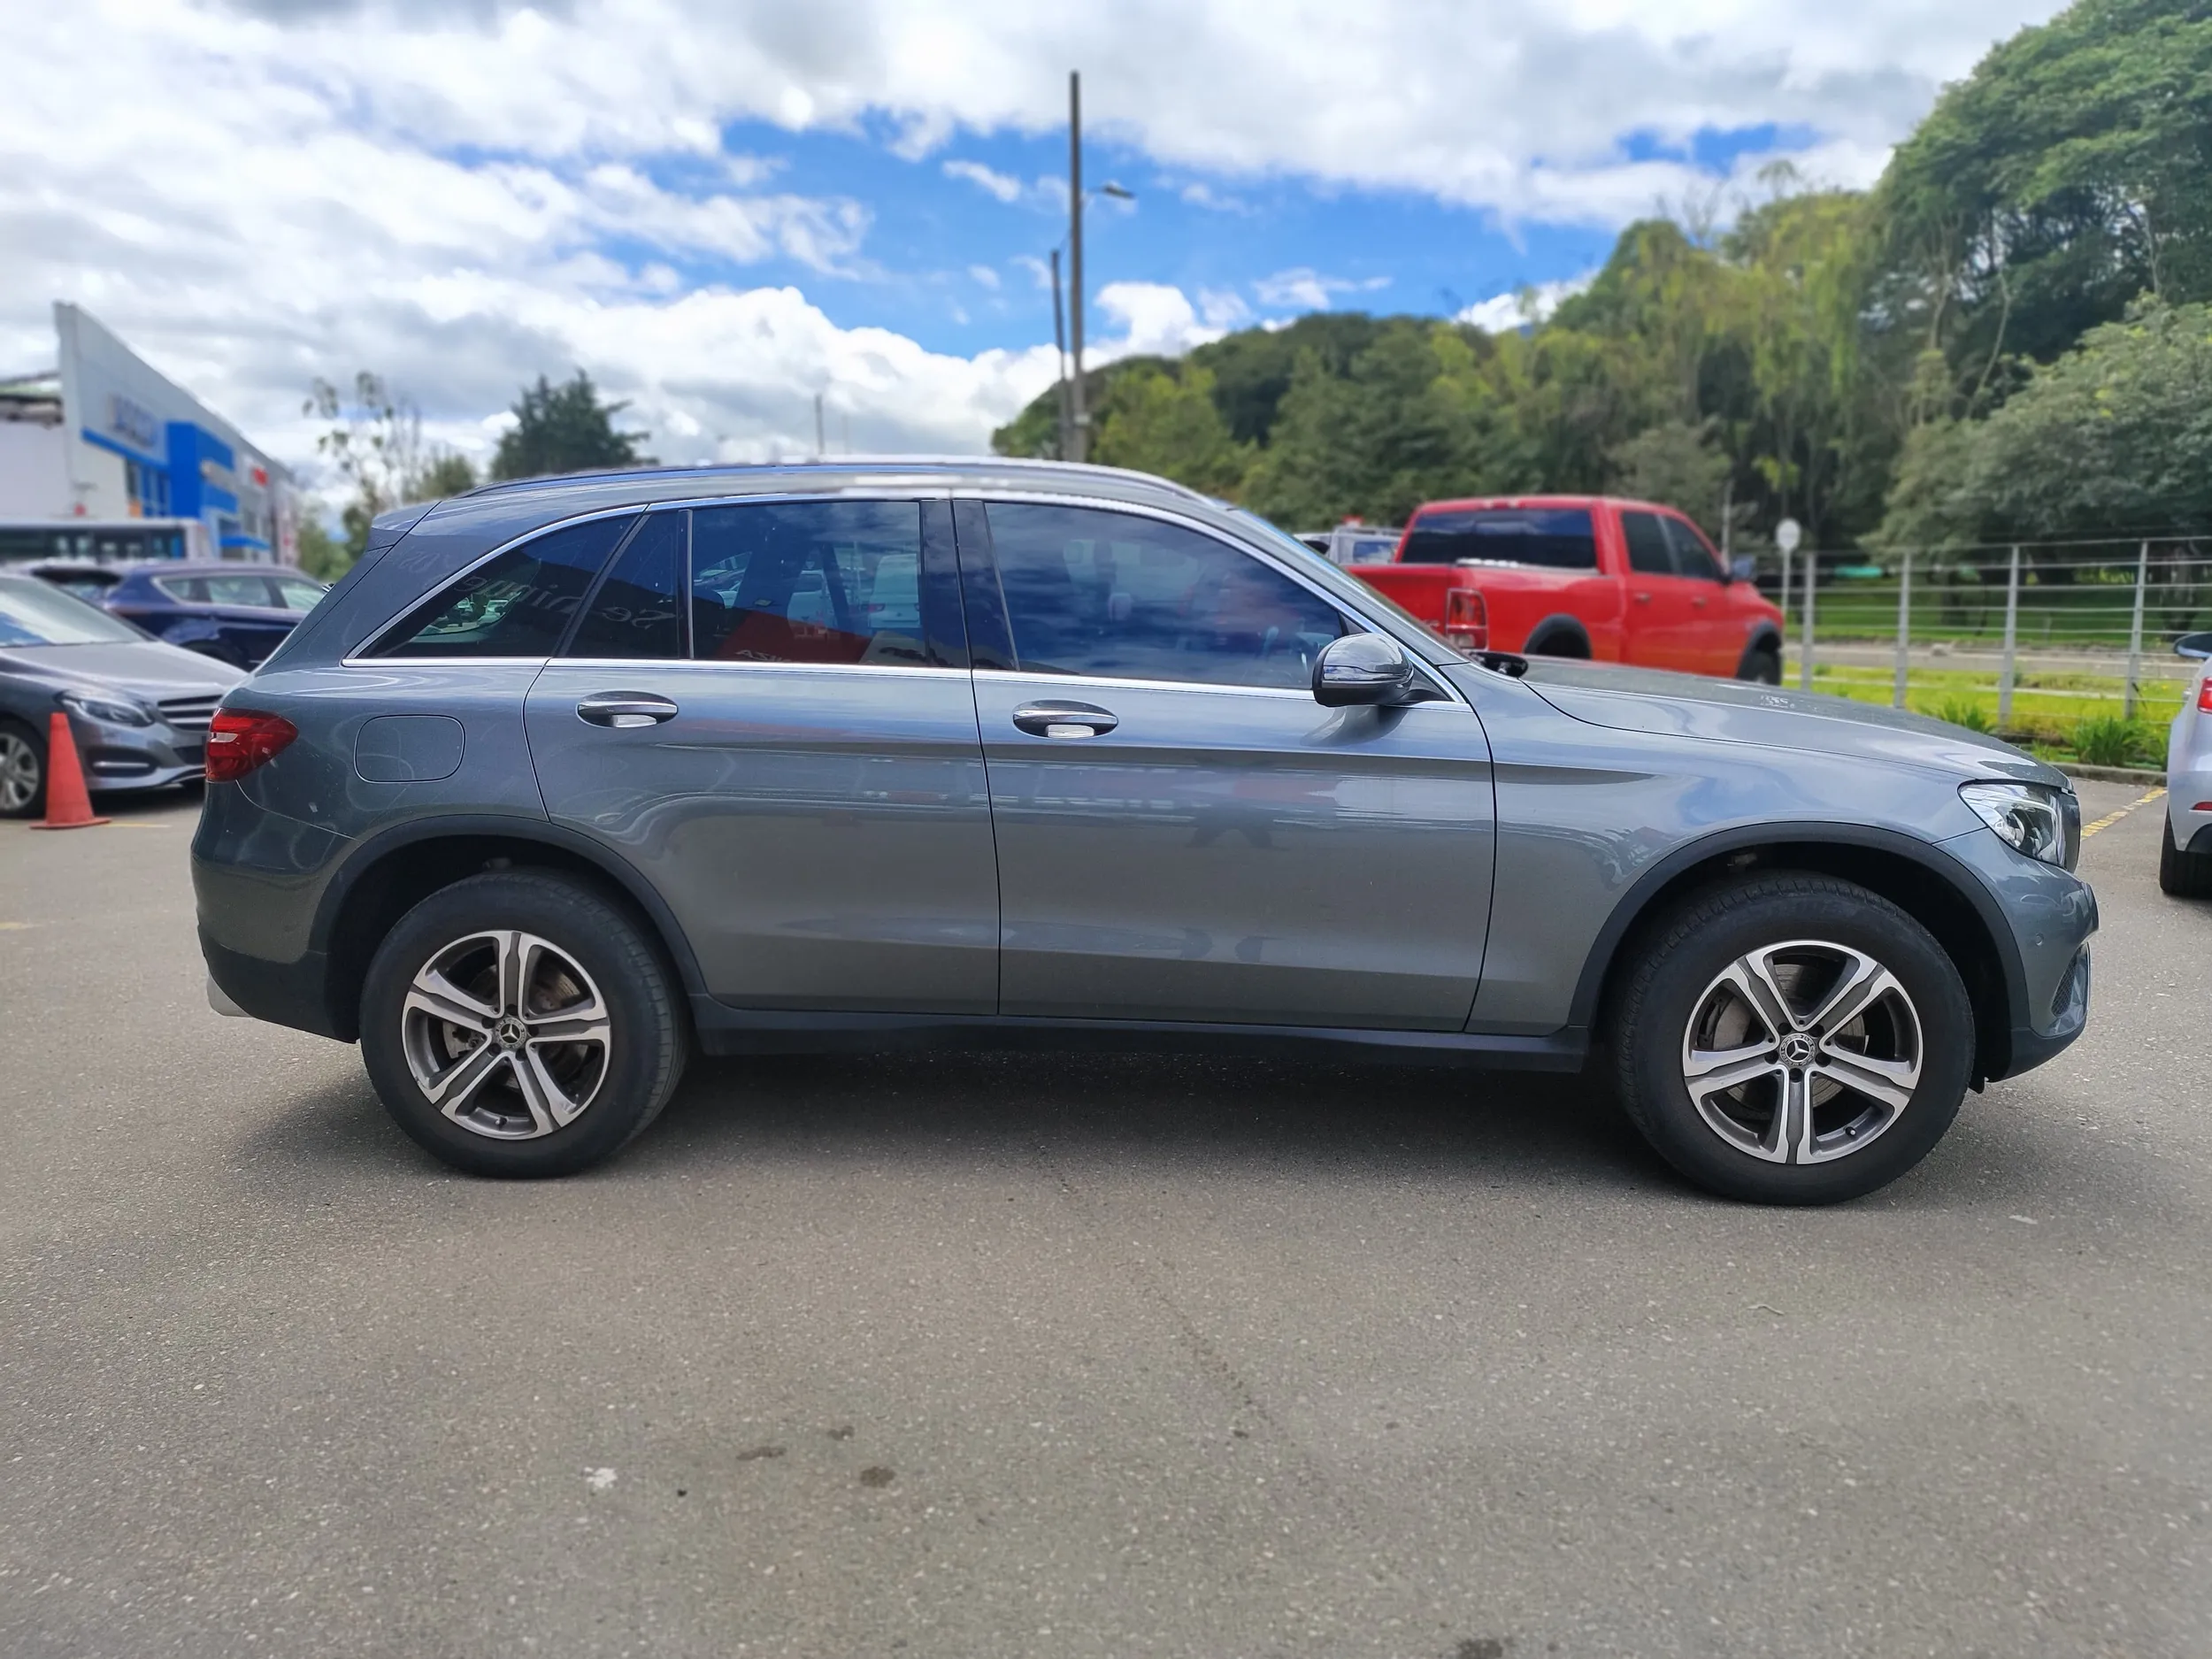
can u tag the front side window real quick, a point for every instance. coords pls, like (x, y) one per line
(1557, 538)
(1115, 595)
(812, 581)
(518, 604)
(1647, 551)
(1692, 557)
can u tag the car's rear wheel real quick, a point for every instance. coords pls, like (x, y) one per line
(518, 1024)
(2182, 875)
(22, 771)
(1792, 1038)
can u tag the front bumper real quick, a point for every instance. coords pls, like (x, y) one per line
(122, 757)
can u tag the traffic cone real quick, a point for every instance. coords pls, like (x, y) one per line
(67, 805)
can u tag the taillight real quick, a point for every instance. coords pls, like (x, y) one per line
(2204, 694)
(239, 740)
(1466, 620)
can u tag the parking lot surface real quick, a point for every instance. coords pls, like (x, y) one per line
(1075, 1355)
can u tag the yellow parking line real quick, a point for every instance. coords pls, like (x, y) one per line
(2110, 818)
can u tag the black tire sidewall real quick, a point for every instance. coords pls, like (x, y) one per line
(1762, 668)
(1706, 936)
(645, 1051)
(36, 806)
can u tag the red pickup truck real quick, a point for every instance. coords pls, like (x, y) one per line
(1590, 576)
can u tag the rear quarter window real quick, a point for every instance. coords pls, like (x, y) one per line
(1554, 538)
(518, 604)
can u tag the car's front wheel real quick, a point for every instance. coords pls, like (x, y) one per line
(518, 1024)
(1792, 1038)
(22, 771)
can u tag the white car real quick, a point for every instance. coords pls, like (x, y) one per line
(2185, 863)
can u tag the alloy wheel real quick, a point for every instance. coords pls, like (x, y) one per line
(506, 1034)
(19, 772)
(1802, 1052)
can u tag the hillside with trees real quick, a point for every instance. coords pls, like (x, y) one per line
(2009, 335)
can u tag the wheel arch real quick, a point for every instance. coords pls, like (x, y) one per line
(1765, 637)
(393, 871)
(1559, 626)
(1919, 877)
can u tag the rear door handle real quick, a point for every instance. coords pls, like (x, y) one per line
(623, 710)
(1064, 720)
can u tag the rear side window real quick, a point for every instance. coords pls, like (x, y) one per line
(1119, 597)
(815, 582)
(296, 594)
(637, 611)
(1558, 538)
(1647, 551)
(518, 604)
(185, 590)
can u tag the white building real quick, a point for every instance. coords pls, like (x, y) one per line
(104, 456)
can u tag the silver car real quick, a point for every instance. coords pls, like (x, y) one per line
(2185, 859)
(138, 710)
(568, 779)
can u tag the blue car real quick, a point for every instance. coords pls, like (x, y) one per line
(235, 613)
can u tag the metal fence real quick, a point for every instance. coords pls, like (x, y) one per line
(2055, 633)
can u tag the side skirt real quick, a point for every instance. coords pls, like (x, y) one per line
(724, 1030)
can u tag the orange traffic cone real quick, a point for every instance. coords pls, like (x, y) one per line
(67, 805)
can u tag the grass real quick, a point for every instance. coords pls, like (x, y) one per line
(2061, 717)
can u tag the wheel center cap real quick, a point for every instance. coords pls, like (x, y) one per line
(510, 1033)
(1797, 1049)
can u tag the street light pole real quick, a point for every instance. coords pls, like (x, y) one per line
(1060, 359)
(1078, 417)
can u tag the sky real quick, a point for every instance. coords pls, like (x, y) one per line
(725, 208)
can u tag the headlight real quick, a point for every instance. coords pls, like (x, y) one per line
(2029, 816)
(102, 709)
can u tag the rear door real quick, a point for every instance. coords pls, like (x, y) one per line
(764, 708)
(1662, 628)
(1183, 833)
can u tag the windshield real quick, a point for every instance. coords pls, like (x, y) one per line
(1560, 537)
(34, 613)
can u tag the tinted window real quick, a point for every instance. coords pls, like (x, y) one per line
(1110, 593)
(1558, 537)
(638, 610)
(1646, 545)
(296, 593)
(1692, 557)
(239, 590)
(824, 581)
(518, 604)
(185, 590)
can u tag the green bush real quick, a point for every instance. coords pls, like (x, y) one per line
(1964, 712)
(2106, 740)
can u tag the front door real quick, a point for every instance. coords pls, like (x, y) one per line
(1183, 833)
(1663, 629)
(765, 709)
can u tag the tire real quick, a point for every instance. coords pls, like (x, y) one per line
(22, 771)
(2182, 875)
(1679, 1001)
(1762, 667)
(1557, 639)
(590, 971)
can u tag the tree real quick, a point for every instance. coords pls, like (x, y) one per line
(375, 443)
(322, 555)
(564, 428)
(2113, 438)
(449, 473)
(1678, 464)
(1156, 420)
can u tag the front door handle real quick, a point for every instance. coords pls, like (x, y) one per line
(1064, 720)
(622, 710)
(1642, 599)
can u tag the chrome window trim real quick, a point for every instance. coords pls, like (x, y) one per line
(364, 649)
(1265, 554)
(708, 664)
(447, 662)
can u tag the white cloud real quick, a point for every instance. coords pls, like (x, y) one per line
(1502, 314)
(985, 275)
(462, 196)
(1309, 290)
(1006, 188)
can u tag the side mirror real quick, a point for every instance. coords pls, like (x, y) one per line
(1362, 668)
(1742, 568)
(2193, 645)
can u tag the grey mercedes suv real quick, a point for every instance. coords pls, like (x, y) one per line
(568, 778)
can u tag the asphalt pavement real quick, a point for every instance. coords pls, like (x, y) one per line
(980, 1355)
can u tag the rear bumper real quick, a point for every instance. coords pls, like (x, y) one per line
(2192, 829)
(294, 993)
